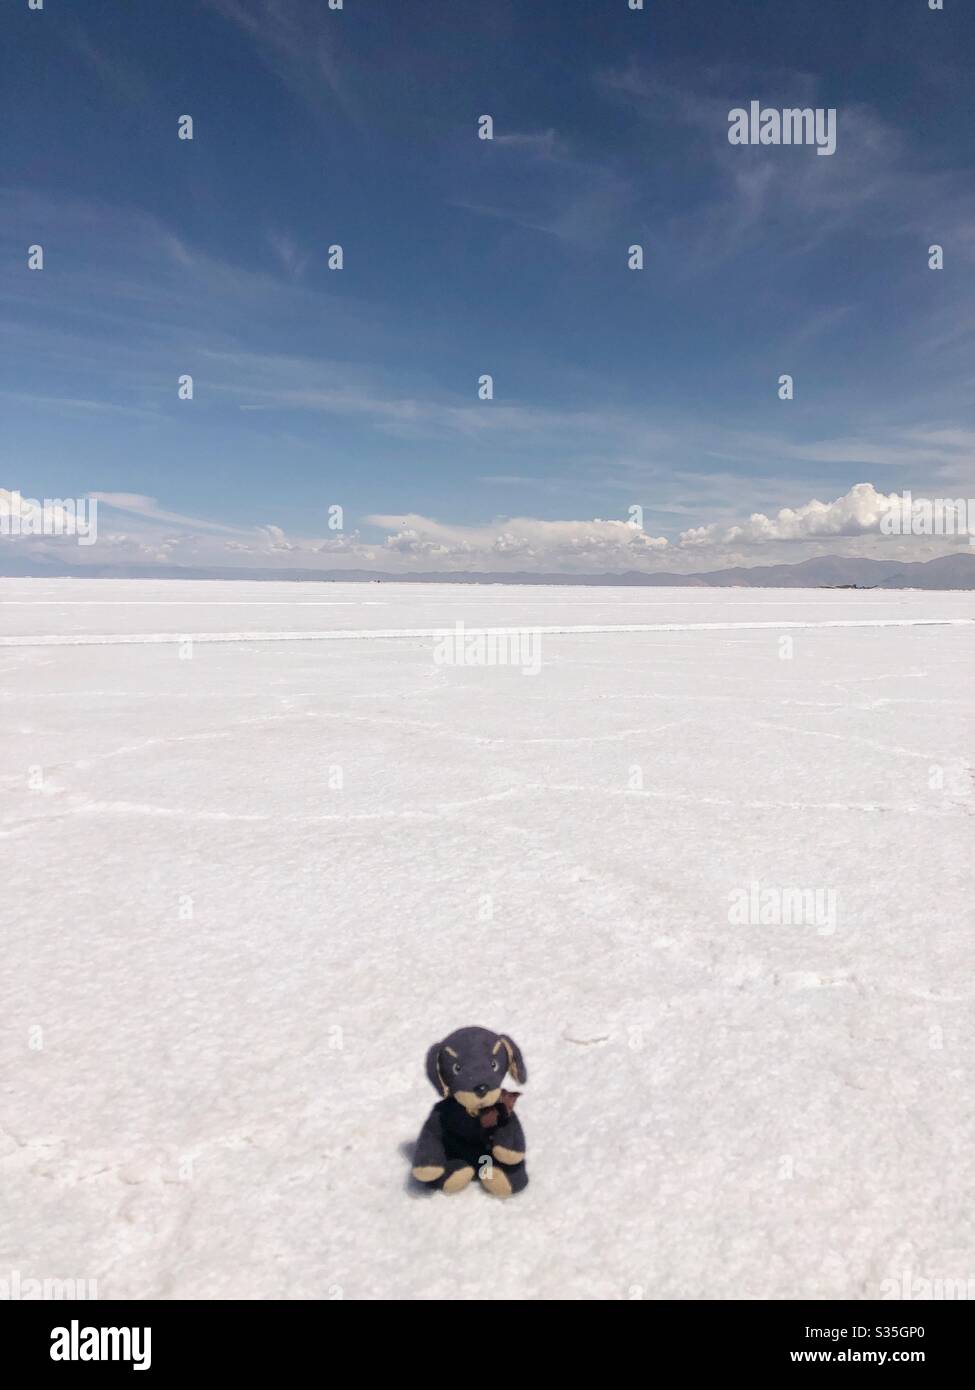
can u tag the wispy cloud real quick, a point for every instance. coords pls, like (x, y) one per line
(121, 78)
(300, 44)
(879, 181)
(149, 510)
(543, 144)
(293, 260)
(567, 196)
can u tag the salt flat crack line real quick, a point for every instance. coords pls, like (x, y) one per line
(384, 634)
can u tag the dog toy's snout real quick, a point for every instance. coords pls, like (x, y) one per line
(481, 1090)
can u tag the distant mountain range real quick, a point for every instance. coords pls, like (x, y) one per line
(825, 571)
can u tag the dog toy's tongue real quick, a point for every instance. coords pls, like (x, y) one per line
(499, 1114)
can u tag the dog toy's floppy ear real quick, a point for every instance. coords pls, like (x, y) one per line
(516, 1064)
(433, 1070)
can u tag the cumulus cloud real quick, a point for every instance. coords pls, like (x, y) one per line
(857, 523)
(276, 538)
(858, 512)
(569, 545)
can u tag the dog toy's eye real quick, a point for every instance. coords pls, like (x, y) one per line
(457, 1069)
(494, 1066)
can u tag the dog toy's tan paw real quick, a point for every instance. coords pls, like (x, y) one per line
(429, 1174)
(495, 1181)
(506, 1155)
(458, 1180)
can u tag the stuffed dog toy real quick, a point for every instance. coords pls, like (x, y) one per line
(474, 1127)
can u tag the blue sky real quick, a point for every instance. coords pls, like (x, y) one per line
(462, 256)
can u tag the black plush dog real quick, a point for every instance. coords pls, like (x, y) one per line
(474, 1128)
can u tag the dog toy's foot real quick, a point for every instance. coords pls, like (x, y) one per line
(495, 1181)
(458, 1179)
(503, 1182)
(427, 1173)
(452, 1178)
